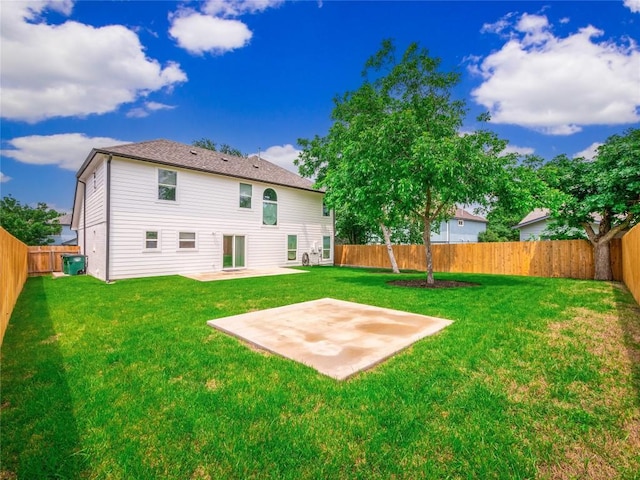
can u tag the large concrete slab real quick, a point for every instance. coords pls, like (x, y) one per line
(241, 273)
(335, 337)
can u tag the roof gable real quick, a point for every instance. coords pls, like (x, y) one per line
(537, 215)
(462, 214)
(176, 154)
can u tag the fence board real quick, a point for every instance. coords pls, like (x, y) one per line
(558, 258)
(630, 261)
(13, 274)
(48, 258)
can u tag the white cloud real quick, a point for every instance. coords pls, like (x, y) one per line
(633, 5)
(518, 150)
(589, 153)
(213, 30)
(234, 8)
(71, 69)
(498, 27)
(4, 178)
(557, 85)
(147, 109)
(67, 150)
(198, 33)
(282, 155)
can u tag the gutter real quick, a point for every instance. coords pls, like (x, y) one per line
(108, 225)
(84, 218)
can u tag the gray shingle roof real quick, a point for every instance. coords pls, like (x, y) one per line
(176, 154)
(536, 215)
(464, 215)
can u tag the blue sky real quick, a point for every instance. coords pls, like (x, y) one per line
(556, 76)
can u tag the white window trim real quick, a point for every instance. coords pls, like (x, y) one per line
(328, 215)
(189, 249)
(272, 202)
(324, 249)
(461, 223)
(158, 184)
(246, 250)
(144, 240)
(295, 260)
(241, 208)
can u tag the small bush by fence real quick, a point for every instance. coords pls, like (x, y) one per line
(558, 258)
(47, 259)
(13, 274)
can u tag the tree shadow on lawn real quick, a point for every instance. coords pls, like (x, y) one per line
(629, 317)
(481, 280)
(39, 431)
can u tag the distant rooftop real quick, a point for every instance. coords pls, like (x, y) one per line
(536, 215)
(462, 214)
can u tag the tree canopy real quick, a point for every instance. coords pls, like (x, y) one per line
(32, 226)
(223, 148)
(394, 155)
(604, 191)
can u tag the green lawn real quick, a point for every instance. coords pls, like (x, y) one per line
(537, 378)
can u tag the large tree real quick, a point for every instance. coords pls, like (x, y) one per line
(604, 192)
(33, 226)
(394, 153)
(223, 148)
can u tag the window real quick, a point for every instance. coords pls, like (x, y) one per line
(326, 211)
(187, 240)
(245, 195)
(233, 251)
(461, 223)
(269, 207)
(167, 183)
(326, 247)
(292, 247)
(151, 240)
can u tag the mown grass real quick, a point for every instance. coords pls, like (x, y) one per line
(537, 378)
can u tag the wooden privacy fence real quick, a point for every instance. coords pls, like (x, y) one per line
(631, 261)
(48, 258)
(557, 258)
(13, 274)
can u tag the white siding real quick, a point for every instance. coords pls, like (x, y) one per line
(95, 228)
(456, 233)
(533, 231)
(209, 206)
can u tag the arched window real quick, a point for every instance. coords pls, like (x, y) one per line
(269, 207)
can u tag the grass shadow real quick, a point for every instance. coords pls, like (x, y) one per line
(34, 384)
(383, 276)
(629, 317)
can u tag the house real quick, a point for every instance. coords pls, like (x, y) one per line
(534, 225)
(463, 227)
(163, 208)
(537, 226)
(67, 236)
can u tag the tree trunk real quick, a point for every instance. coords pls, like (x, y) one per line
(387, 242)
(426, 237)
(602, 260)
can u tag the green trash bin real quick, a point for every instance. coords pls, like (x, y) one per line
(73, 264)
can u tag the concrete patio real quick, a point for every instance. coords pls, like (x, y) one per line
(337, 338)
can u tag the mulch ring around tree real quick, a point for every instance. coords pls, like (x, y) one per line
(419, 283)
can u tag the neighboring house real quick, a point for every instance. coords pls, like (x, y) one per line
(164, 208)
(67, 236)
(464, 227)
(534, 225)
(537, 226)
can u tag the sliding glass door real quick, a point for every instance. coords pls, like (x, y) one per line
(233, 251)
